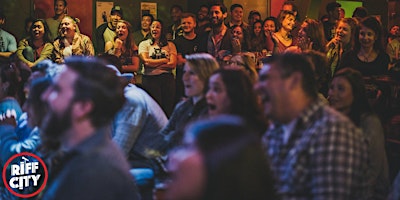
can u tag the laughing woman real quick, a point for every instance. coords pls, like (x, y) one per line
(37, 46)
(124, 47)
(369, 56)
(197, 70)
(159, 57)
(230, 92)
(71, 42)
(347, 95)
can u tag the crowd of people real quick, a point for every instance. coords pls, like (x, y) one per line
(215, 108)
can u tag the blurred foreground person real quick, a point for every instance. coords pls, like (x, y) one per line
(222, 159)
(82, 102)
(315, 152)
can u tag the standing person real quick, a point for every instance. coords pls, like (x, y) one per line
(71, 42)
(341, 43)
(368, 56)
(332, 9)
(254, 16)
(37, 46)
(82, 102)
(203, 21)
(60, 10)
(282, 38)
(139, 36)
(186, 44)
(315, 152)
(236, 13)
(175, 28)
(219, 37)
(123, 46)
(159, 57)
(144, 32)
(107, 31)
(347, 95)
(8, 43)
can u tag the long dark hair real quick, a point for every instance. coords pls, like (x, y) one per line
(163, 39)
(244, 101)
(360, 103)
(46, 36)
(236, 167)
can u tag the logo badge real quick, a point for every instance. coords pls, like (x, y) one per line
(25, 175)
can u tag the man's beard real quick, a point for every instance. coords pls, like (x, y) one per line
(54, 127)
(218, 24)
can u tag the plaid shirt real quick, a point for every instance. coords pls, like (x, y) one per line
(325, 157)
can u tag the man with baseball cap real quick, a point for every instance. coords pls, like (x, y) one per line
(106, 32)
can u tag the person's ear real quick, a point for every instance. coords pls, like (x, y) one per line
(82, 109)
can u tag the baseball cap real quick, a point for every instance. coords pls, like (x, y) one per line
(117, 9)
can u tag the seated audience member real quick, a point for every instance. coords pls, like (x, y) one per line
(136, 126)
(223, 159)
(82, 103)
(230, 91)
(71, 42)
(37, 46)
(197, 70)
(321, 72)
(244, 61)
(159, 57)
(347, 95)
(368, 56)
(123, 46)
(342, 43)
(9, 85)
(107, 31)
(25, 137)
(315, 152)
(240, 40)
(8, 43)
(257, 42)
(270, 26)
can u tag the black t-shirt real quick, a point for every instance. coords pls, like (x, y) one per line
(186, 47)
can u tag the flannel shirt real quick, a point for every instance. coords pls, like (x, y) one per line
(325, 157)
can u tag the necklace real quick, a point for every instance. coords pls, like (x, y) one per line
(365, 57)
(286, 37)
